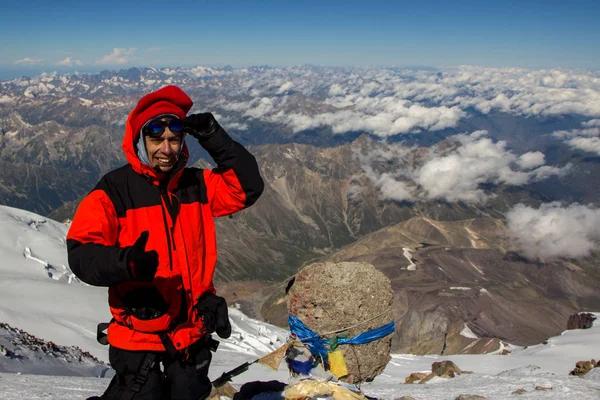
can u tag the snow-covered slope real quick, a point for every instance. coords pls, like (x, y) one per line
(38, 293)
(495, 377)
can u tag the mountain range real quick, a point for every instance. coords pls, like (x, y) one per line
(59, 133)
(416, 172)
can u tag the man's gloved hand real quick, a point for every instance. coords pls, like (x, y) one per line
(201, 126)
(215, 316)
(142, 264)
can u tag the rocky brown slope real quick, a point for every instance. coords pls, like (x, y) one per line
(457, 289)
(311, 208)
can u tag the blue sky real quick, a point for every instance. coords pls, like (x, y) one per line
(69, 35)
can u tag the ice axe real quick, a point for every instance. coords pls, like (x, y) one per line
(227, 376)
(271, 360)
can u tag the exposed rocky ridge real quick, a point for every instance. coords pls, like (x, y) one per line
(20, 351)
(581, 321)
(42, 188)
(419, 232)
(583, 367)
(48, 164)
(494, 294)
(457, 290)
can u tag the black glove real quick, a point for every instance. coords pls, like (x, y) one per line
(142, 264)
(201, 126)
(215, 316)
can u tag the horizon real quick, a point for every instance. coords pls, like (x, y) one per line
(40, 37)
(37, 72)
(32, 72)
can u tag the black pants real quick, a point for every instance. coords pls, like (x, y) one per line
(180, 379)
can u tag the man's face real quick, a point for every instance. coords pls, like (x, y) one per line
(163, 150)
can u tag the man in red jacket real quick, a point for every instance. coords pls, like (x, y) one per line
(146, 232)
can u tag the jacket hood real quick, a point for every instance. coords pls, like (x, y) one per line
(168, 100)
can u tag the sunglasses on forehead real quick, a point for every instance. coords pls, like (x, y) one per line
(156, 127)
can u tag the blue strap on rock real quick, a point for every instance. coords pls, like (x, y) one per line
(317, 345)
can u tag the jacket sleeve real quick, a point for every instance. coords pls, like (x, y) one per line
(94, 256)
(235, 183)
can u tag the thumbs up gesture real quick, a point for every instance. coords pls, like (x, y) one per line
(142, 264)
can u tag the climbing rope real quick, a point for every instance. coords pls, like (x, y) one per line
(352, 326)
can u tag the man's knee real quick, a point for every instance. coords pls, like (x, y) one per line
(138, 376)
(189, 379)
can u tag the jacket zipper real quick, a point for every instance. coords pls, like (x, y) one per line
(167, 231)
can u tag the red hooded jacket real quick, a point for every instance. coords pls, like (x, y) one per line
(178, 212)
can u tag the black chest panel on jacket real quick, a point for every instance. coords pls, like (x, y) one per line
(191, 187)
(129, 190)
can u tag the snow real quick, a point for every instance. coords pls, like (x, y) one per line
(468, 333)
(49, 304)
(289, 154)
(20, 120)
(6, 99)
(473, 238)
(38, 293)
(412, 266)
(476, 268)
(201, 71)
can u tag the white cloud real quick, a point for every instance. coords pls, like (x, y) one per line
(201, 71)
(546, 171)
(392, 186)
(380, 116)
(591, 144)
(531, 160)
(259, 108)
(393, 189)
(68, 61)
(336, 90)
(554, 230)
(29, 61)
(285, 87)
(453, 172)
(118, 56)
(591, 123)
(236, 126)
(353, 192)
(583, 139)
(457, 175)
(387, 102)
(230, 123)
(526, 92)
